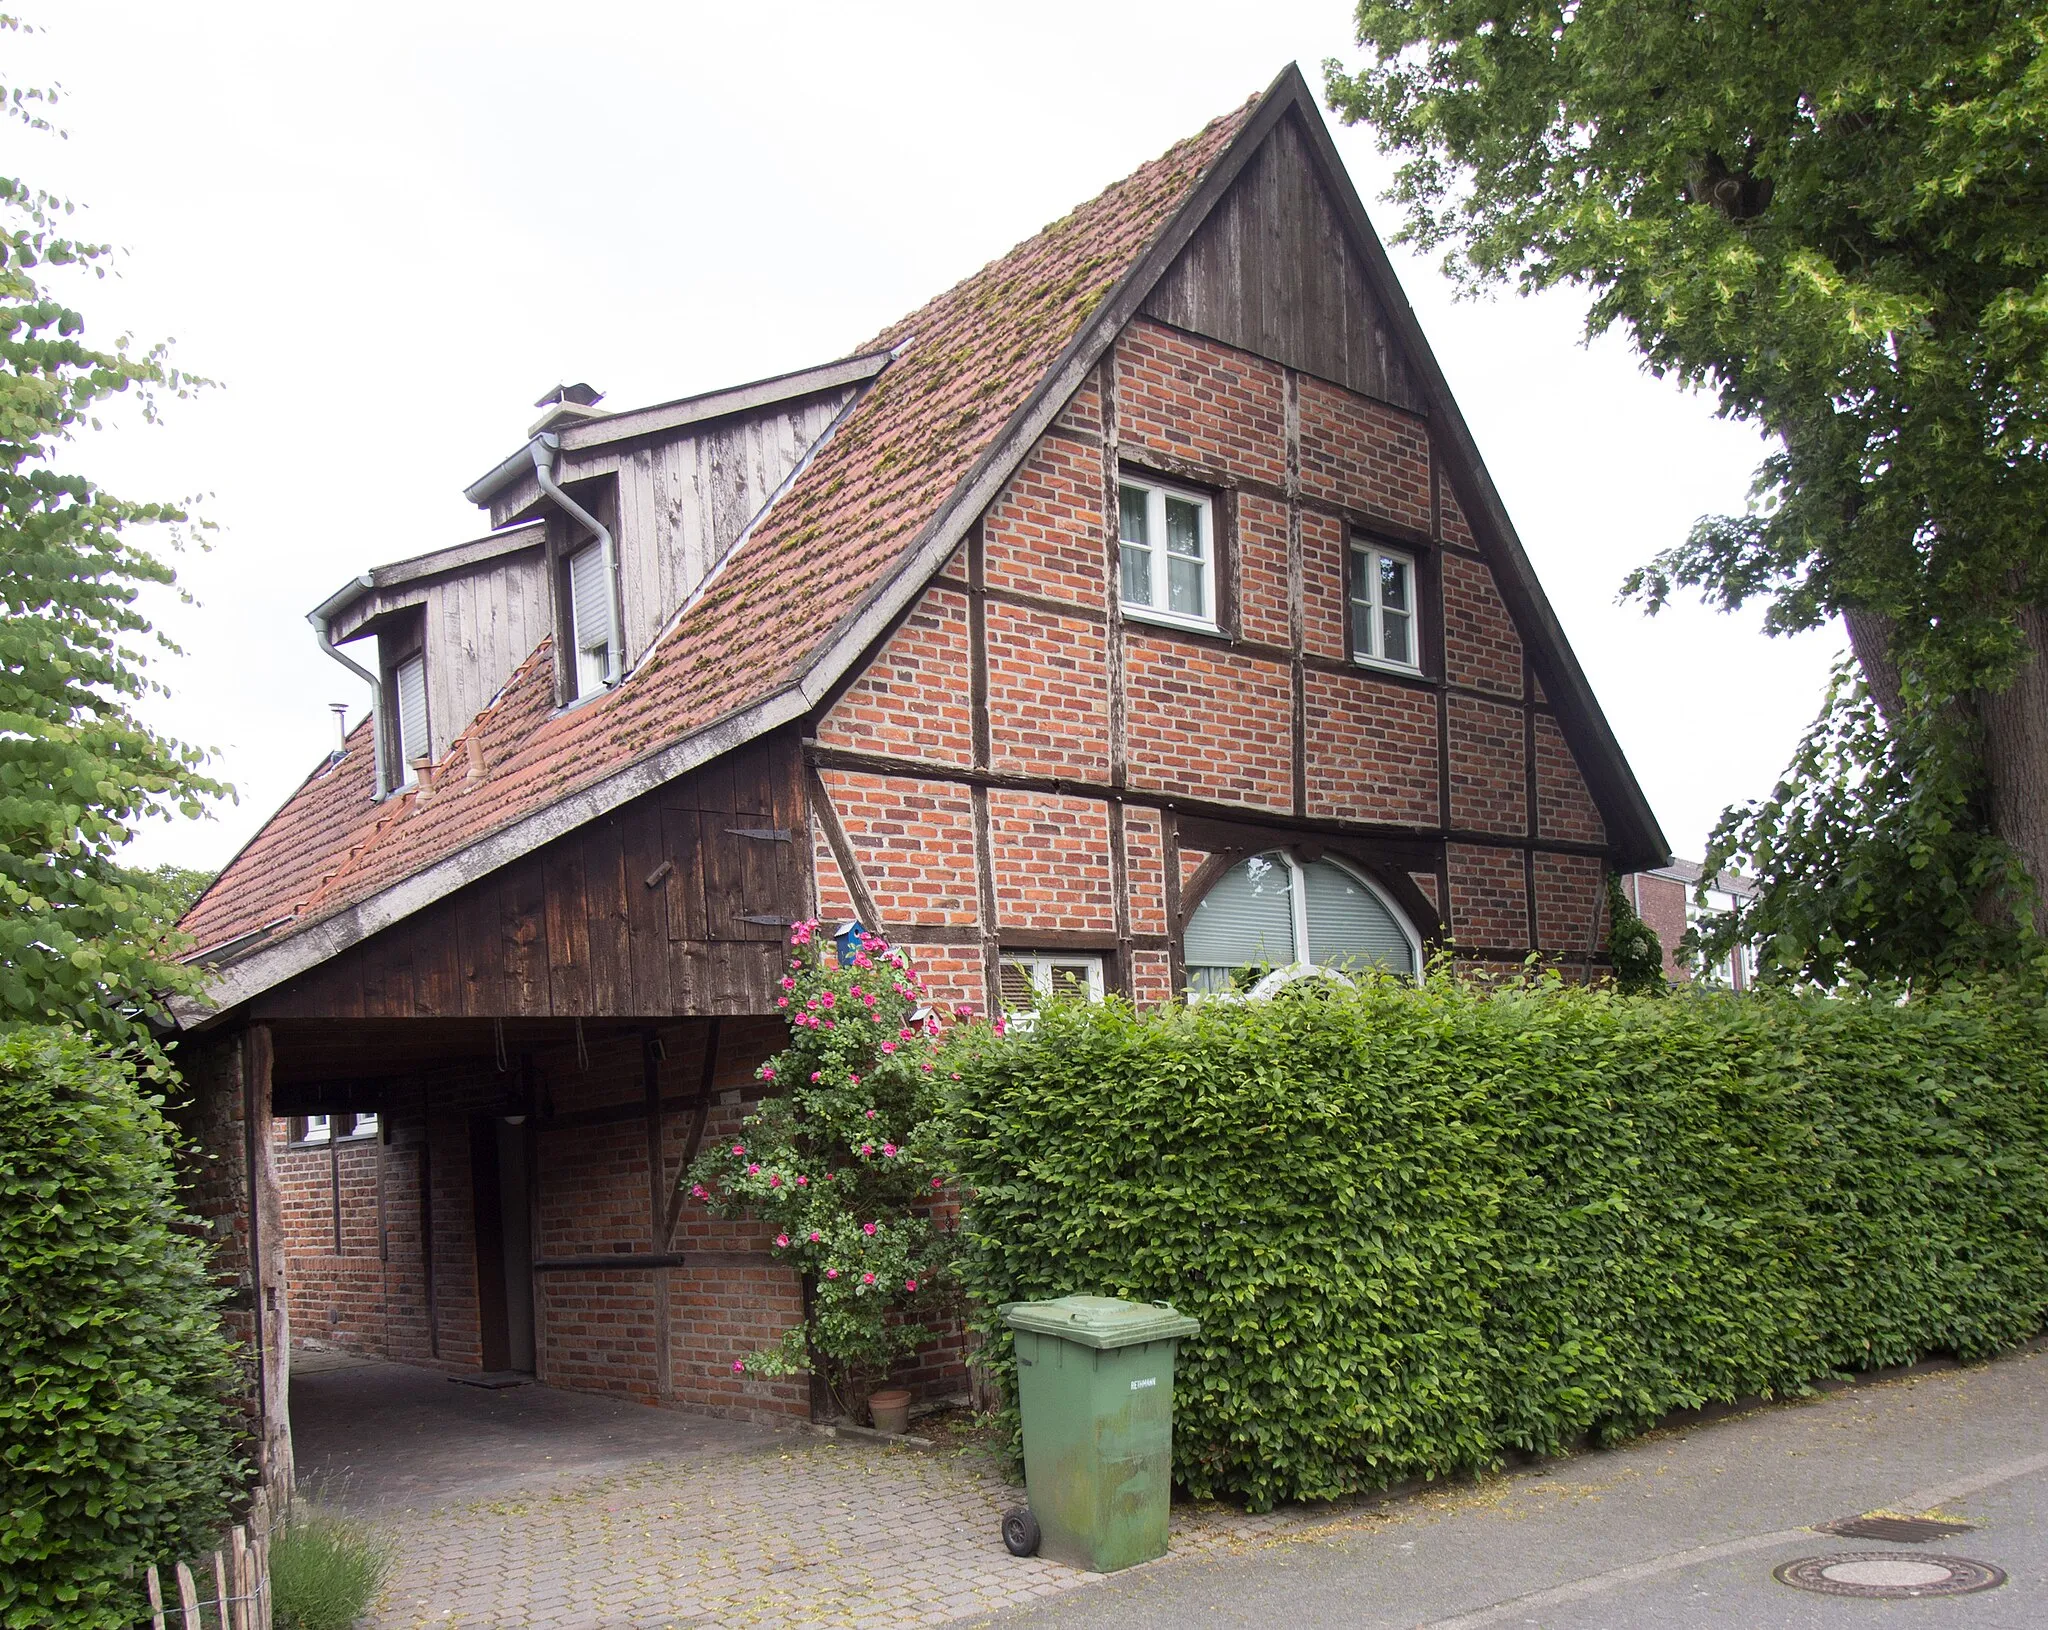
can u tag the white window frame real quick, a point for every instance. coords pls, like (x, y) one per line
(1364, 565)
(1288, 973)
(1156, 493)
(594, 661)
(363, 1125)
(403, 774)
(316, 1129)
(1040, 966)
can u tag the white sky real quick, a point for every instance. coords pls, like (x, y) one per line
(387, 228)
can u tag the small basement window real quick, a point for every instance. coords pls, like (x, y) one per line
(1383, 625)
(409, 712)
(591, 632)
(1167, 551)
(1030, 976)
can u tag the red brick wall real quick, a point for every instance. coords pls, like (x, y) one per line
(1481, 647)
(1192, 399)
(1209, 723)
(1372, 750)
(913, 700)
(1044, 535)
(1051, 861)
(1564, 806)
(1489, 898)
(1364, 454)
(1489, 768)
(1048, 693)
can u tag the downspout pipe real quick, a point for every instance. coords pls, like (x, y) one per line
(544, 447)
(319, 618)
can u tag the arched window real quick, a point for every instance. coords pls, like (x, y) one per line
(1273, 912)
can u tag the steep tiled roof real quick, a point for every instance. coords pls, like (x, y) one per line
(968, 362)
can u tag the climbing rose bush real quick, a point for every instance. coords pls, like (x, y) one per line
(844, 1162)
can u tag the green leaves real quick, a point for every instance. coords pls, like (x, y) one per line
(1425, 1226)
(82, 941)
(117, 1410)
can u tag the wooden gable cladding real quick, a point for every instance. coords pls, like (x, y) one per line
(677, 904)
(1273, 271)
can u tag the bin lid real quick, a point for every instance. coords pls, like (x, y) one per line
(1100, 1321)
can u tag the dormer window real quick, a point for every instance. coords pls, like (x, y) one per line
(591, 632)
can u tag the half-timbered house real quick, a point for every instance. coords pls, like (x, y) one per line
(1136, 612)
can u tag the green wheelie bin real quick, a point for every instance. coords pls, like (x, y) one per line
(1095, 1387)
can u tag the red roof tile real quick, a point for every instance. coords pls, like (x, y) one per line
(970, 360)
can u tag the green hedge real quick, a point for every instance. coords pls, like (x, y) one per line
(116, 1442)
(1426, 1226)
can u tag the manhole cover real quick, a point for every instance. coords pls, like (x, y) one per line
(1888, 1573)
(1883, 1525)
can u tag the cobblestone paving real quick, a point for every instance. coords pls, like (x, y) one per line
(805, 1532)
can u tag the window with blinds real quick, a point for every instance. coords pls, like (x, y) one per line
(409, 710)
(1028, 977)
(1271, 912)
(590, 621)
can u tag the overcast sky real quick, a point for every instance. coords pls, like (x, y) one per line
(386, 229)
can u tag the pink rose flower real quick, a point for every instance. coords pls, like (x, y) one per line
(938, 1182)
(867, 1148)
(788, 983)
(753, 1171)
(767, 1072)
(816, 1236)
(854, 1080)
(831, 1273)
(889, 1149)
(699, 1192)
(775, 1180)
(910, 1284)
(929, 1067)
(870, 1114)
(782, 1242)
(867, 1279)
(867, 1228)
(739, 1148)
(782, 1001)
(830, 1024)
(739, 1367)
(888, 1047)
(815, 1075)
(802, 1181)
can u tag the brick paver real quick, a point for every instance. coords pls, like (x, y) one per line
(539, 1510)
(807, 1532)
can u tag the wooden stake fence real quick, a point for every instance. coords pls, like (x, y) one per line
(238, 1591)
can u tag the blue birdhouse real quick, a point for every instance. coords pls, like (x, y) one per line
(847, 941)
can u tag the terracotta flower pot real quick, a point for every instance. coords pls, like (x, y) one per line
(890, 1411)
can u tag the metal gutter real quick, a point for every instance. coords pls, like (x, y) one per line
(319, 617)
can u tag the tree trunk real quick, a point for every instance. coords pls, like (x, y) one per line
(1870, 637)
(2016, 752)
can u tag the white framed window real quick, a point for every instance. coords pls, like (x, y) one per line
(592, 632)
(1167, 553)
(1383, 622)
(316, 1129)
(1272, 914)
(363, 1126)
(409, 714)
(1028, 976)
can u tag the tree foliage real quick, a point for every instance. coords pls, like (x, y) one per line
(1831, 214)
(843, 1164)
(1427, 1226)
(82, 939)
(118, 1443)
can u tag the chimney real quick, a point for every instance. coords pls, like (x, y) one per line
(567, 404)
(340, 712)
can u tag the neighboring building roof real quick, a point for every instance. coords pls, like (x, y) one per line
(1689, 873)
(975, 377)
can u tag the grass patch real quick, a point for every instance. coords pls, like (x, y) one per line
(325, 1571)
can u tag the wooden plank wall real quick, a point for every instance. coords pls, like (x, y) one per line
(480, 626)
(676, 904)
(683, 501)
(1273, 272)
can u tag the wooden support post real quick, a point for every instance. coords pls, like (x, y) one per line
(221, 1594)
(657, 1215)
(245, 1579)
(156, 1599)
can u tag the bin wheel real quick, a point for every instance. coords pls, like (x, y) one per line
(1020, 1531)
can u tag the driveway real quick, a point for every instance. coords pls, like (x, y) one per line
(551, 1510)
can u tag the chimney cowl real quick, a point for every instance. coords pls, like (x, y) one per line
(567, 404)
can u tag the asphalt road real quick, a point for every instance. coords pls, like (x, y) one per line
(1680, 1529)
